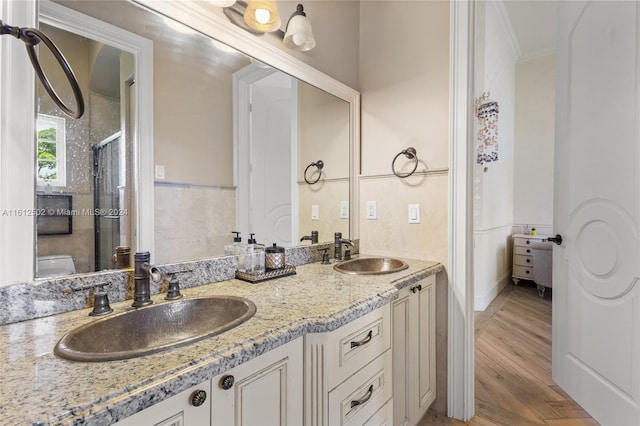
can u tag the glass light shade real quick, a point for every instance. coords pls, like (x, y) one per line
(222, 3)
(299, 35)
(262, 15)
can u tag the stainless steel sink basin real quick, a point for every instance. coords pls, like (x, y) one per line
(154, 328)
(370, 266)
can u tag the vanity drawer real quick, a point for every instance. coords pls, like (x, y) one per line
(359, 398)
(523, 272)
(521, 260)
(347, 349)
(525, 251)
(524, 242)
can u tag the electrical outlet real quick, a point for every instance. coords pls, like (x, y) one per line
(344, 210)
(372, 210)
(414, 213)
(315, 212)
(159, 171)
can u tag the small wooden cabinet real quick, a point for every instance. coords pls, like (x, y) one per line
(522, 256)
(414, 357)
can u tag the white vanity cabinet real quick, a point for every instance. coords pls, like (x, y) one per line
(179, 410)
(264, 391)
(414, 356)
(348, 373)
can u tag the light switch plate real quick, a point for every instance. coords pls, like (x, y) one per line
(344, 210)
(414, 213)
(372, 210)
(159, 171)
(315, 212)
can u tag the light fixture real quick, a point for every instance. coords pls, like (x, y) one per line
(262, 15)
(299, 35)
(222, 3)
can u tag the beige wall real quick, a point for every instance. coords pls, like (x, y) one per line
(323, 125)
(534, 143)
(404, 82)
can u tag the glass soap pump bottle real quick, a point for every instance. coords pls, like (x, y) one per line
(255, 256)
(233, 249)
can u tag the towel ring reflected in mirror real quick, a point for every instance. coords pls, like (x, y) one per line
(318, 165)
(411, 154)
(31, 37)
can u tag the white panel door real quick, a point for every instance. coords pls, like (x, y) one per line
(273, 113)
(597, 209)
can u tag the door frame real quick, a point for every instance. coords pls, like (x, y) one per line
(460, 367)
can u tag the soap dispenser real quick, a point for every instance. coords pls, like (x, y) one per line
(233, 249)
(251, 258)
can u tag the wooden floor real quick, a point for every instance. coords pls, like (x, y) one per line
(513, 384)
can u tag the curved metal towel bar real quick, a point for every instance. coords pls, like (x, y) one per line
(410, 153)
(31, 37)
(319, 165)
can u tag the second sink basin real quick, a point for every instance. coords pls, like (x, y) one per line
(370, 266)
(154, 328)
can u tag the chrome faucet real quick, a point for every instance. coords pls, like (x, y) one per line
(337, 245)
(141, 274)
(313, 237)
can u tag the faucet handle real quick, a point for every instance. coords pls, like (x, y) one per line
(173, 291)
(347, 253)
(325, 256)
(100, 298)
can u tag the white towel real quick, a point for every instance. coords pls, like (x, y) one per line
(542, 263)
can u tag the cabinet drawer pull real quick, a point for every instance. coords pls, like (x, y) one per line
(198, 398)
(364, 399)
(528, 260)
(363, 341)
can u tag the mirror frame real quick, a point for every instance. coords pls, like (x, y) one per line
(17, 109)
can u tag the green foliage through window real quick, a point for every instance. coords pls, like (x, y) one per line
(50, 145)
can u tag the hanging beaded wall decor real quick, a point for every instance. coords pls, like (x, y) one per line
(487, 149)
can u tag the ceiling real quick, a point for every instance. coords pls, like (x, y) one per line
(534, 25)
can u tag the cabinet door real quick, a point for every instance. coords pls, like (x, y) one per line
(179, 410)
(264, 391)
(414, 367)
(401, 357)
(425, 371)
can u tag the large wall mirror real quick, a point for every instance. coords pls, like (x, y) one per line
(233, 139)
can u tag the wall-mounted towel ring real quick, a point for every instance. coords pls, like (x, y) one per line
(319, 165)
(31, 37)
(410, 153)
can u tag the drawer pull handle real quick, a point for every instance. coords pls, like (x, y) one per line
(363, 341)
(528, 250)
(364, 399)
(416, 288)
(528, 260)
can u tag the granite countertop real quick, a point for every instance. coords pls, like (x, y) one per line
(37, 387)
